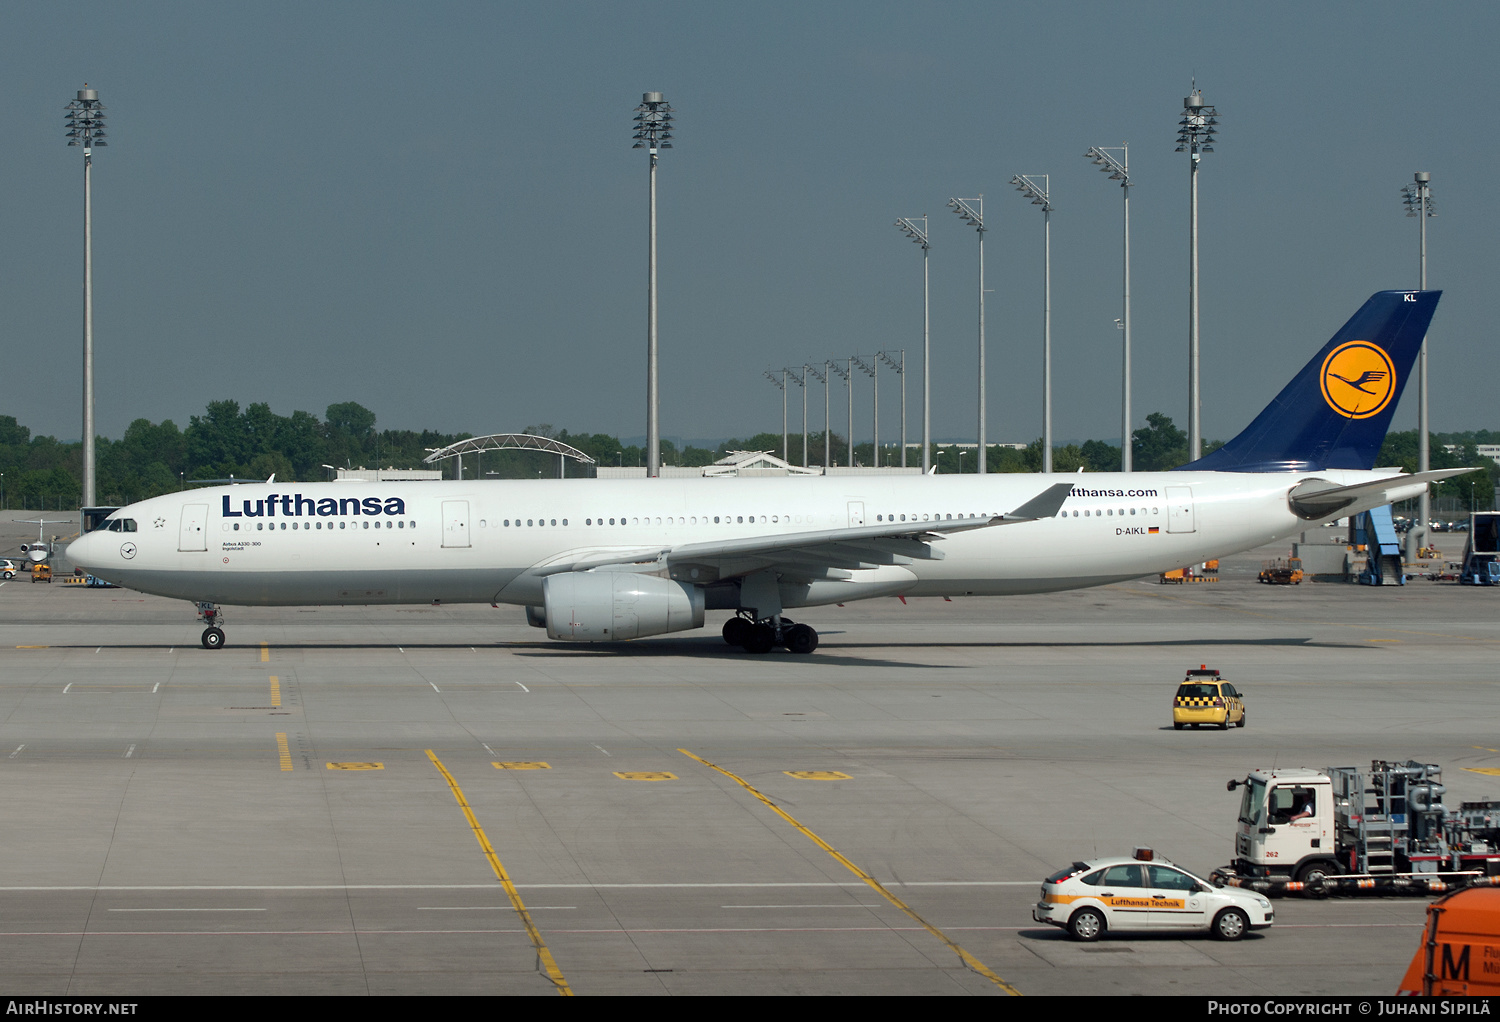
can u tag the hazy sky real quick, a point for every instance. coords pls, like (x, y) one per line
(435, 210)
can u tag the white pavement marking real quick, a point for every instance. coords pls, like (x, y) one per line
(155, 687)
(603, 750)
(66, 687)
(17, 752)
(187, 910)
(525, 689)
(130, 752)
(434, 687)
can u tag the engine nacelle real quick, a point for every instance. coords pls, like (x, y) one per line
(607, 606)
(536, 617)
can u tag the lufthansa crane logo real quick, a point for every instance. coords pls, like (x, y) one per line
(1358, 379)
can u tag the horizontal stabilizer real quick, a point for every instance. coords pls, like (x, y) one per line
(1313, 499)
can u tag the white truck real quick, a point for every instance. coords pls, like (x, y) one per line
(1343, 831)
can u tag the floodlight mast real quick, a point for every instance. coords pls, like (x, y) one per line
(1417, 197)
(971, 212)
(1119, 170)
(801, 381)
(86, 128)
(1040, 196)
(821, 375)
(781, 383)
(653, 123)
(900, 367)
(873, 372)
(919, 235)
(847, 374)
(1195, 136)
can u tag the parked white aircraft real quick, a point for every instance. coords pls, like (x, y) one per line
(595, 560)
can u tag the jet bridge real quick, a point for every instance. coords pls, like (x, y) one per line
(1482, 551)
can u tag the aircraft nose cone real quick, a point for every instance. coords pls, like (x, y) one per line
(84, 552)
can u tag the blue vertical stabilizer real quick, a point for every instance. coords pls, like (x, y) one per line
(1336, 411)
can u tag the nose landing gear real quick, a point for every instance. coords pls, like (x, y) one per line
(213, 635)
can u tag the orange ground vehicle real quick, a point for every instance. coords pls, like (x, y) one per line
(1460, 950)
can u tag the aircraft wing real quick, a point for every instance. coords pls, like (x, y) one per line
(1318, 498)
(826, 553)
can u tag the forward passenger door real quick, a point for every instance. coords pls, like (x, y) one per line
(193, 534)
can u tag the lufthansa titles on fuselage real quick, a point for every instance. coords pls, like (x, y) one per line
(294, 505)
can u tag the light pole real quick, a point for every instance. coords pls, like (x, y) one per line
(873, 372)
(1417, 197)
(653, 122)
(801, 381)
(900, 367)
(1195, 137)
(971, 211)
(1119, 170)
(86, 128)
(1040, 196)
(822, 377)
(847, 375)
(781, 383)
(919, 235)
(961, 461)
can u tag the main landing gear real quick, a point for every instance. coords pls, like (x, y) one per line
(213, 635)
(765, 635)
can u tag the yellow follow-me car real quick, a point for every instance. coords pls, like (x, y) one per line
(1205, 698)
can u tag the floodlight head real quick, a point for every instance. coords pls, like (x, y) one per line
(85, 120)
(653, 121)
(1422, 177)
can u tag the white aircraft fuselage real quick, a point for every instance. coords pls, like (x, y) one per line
(490, 542)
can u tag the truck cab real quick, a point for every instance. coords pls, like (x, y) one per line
(1286, 825)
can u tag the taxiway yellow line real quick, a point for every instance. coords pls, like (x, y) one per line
(285, 753)
(265, 652)
(543, 954)
(879, 888)
(275, 691)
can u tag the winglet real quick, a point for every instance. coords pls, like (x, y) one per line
(1044, 505)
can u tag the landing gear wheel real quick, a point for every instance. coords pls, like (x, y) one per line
(760, 639)
(213, 638)
(1230, 924)
(736, 631)
(1086, 925)
(801, 639)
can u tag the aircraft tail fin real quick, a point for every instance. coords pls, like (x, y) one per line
(1335, 412)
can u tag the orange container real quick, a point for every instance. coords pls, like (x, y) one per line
(1460, 950)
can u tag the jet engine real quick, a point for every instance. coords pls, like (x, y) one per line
(607, 606)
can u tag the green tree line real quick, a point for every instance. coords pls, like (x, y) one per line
(254, 442)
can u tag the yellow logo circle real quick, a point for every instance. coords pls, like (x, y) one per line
(1358, 379)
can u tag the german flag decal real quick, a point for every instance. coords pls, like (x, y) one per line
(1153, 530)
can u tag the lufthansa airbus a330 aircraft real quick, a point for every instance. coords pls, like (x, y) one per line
(603, 561)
